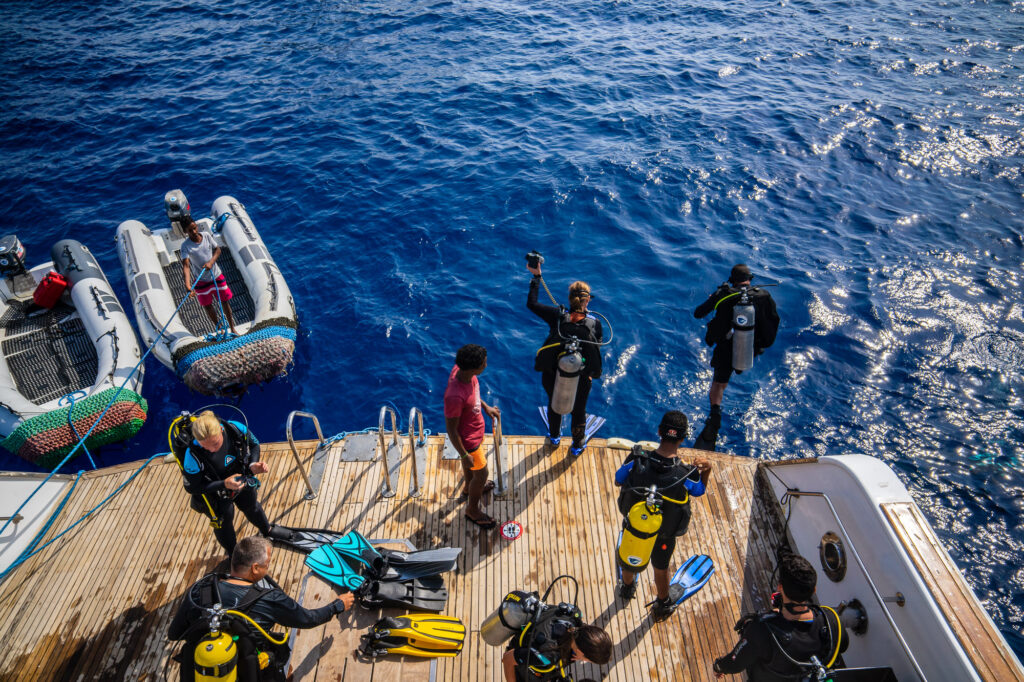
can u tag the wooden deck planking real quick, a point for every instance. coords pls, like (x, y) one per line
(117, 581)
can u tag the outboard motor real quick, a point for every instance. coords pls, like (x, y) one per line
(567, 379)
(12, 256)
(176, 206)
(743, 333)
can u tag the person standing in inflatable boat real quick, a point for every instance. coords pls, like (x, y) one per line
(576, 322)
(199, 251)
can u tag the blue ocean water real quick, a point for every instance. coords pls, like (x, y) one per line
(399, 158)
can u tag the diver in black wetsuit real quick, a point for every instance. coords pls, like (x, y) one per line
(777, 646)
(561, 323)
(721, 302)
(251, 591)
(220, 462)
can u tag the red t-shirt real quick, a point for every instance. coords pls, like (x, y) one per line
(463, 401)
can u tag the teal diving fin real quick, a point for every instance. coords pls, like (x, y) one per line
(354, 546)
(691, 576)
(330, 565)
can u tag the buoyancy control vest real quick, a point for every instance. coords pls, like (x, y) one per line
(792, 649)
(553, 348)
(542, 650)
(668, 475)
(766, 319)
(184, 446)
(259, 658)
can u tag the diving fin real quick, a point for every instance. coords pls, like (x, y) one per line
(691, 576)
(418, 594)
(593, 424)
(327, 563)
(426, 635)
(406, 565)
(302, 539)
(544, 417)
(708, 436)
(354, 546)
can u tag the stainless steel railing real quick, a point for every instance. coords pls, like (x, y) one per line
(310, 492)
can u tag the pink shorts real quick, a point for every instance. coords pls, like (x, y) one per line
(207, 294)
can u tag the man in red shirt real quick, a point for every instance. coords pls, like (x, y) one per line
(464, 419)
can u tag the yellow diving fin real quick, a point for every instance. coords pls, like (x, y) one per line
(416, 634)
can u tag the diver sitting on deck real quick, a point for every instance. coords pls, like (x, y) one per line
(200, 251)
(464, 419)
(780, 645)
(220, 461)
(250, 591)
(675, 483)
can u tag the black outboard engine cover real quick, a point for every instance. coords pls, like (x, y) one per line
(12, 256)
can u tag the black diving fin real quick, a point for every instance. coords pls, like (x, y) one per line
(427, 562)
(417, 634)
(303, 539)
(418, 594)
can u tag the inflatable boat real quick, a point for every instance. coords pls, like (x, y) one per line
(202, 352)
(67, 347)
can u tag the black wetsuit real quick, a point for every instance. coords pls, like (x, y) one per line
(758, 654)
(673, 478)
(265, 602)
(766, 325)
(546, 362)
(206, 471)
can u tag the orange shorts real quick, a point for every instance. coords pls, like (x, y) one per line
(479, 459)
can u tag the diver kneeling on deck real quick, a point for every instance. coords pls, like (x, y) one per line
(220, 461)
(662, 475)
(243, 605)
(792, 641)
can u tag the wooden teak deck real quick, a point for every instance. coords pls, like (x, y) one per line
(96, 604)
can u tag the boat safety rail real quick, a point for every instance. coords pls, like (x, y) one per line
(499, 474)
(310, 492)
(388, 491)
(415, 419)
(882, 601)
(113, 399)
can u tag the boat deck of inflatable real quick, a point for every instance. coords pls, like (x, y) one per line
(192, 316)
(96, 604)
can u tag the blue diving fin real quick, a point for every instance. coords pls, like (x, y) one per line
(330, 565)
(593, 424)
(544, 418)
(354, 546)
(691, 576)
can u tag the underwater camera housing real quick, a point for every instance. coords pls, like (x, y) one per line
(534, 259)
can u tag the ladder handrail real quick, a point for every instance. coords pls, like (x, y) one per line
(499, 486)
(384, 410)
(310, 494)
(415, 415)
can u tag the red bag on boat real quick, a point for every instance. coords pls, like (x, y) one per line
(49, 290)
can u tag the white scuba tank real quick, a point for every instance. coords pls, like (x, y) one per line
(567, 379)
(743, 333)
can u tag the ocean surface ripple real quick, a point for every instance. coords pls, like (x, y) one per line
(399, 158)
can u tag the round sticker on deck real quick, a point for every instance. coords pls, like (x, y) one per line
(510, 530)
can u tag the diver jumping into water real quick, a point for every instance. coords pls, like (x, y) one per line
(730, 325)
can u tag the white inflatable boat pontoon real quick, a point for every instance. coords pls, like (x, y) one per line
(204, 356)
(62, 365)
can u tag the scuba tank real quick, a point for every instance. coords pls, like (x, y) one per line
(743, 333)
(567, 378)
(513, 613)
(639, 533)
(216, 657)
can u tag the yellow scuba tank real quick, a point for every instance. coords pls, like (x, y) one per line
(216, 658)
(639, 533)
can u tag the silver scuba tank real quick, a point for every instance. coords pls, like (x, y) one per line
(511, 616)
(743, 333)
(567, 379)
